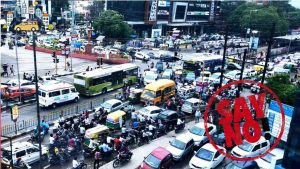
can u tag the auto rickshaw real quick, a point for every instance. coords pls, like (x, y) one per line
(135, 96)
(93, 133)
(113, 119)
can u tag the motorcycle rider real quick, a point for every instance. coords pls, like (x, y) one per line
(179, 123)
(145, 136)
(152, 128)
(124, 152)
(45, 126)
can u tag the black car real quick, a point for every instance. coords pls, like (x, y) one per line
(169, 118)
(167, 58)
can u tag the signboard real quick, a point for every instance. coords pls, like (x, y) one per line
(153, 15)
(14, 113)
(31, 10)
(274, 117)
(156, 33)
(162, 3)
(197, 13)
(253, 43)
(163, 12)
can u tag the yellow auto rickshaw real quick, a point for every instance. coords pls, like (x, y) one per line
(258, 68)
(113, 119)
(93, 133)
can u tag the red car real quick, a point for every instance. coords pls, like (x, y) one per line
(160, 158)
(14, 92)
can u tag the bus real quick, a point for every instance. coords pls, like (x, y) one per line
(56, 93)
(105, 79)
(203, 61)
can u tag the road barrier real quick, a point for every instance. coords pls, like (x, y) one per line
(28, 125)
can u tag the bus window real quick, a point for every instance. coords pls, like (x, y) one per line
(53, 94)
(158, 93)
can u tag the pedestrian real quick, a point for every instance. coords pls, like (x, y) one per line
(24, 76)
(97, 158)
(12, 70)
(197, 116)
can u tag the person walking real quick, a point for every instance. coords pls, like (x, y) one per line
(97, 158)
(197, 116)
(12, 70)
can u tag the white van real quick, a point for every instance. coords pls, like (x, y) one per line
(53, 94)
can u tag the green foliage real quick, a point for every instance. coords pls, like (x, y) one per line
(56, 6)
(111, 24)
(286, 91)
(258, 18)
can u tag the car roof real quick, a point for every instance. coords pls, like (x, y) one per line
(184, 138)
(113, 101)
(19, 146)
(150, 108)
(160, 152)
(193, 100)
(210, 147)
(261, 139)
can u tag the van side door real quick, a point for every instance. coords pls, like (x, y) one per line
(65, 95)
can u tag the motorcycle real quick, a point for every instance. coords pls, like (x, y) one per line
(160, 132)
(122, 159)
(88, 152)
(55, 160)
(65, 155)
(179, 127)
(35, 139)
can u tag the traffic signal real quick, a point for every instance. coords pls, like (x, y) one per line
(54, 55)
(98, 62)
(101, 61)
(55, 60)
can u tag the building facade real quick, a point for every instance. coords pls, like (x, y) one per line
(190, 17)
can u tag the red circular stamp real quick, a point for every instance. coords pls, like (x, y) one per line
(232, 115)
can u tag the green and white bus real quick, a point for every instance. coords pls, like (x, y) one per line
(105, 79)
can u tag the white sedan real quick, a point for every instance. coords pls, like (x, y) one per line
(198, 134)
(265, 162)
(207, 157)
(140, 55)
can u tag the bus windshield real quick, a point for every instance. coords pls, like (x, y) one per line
(148, 93)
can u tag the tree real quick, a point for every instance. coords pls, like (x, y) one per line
(96, 8)
(286, 91)
(111, 24)
(57, 5)
(258, 18)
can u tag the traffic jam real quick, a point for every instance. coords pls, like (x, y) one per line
(160, 95)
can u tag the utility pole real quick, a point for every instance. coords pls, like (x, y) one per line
(224, 56)
(270, 42)
(72, 31)
(37, 97)
(242, 71)
(18, 72)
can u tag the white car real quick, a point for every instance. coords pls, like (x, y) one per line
(207, 157)
(150, 111)
(233, 75)
(114, 51)
(15, 82)
(150, 77)
(265, 162)
(215, 78)
(112, 105)
(251, 149)
(180, 146)
(250, 72)
(198, 134)
(25, 150)
(140, 55)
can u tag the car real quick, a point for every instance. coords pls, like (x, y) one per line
(28, 152)
(250, 72)
(185, 92)
(253, 78)
(181, 146)
(192, 104)
(159, 66)
(43, 79)
(265, 162)
(150, 77)
(150, 111)
(255, 89)
(242, 165)
(171, 71)
(114, 51)
(159, 158)
(152, 55)
(215, 78)
(190, 77)
(141, 56)
(197, 132)
(207, 157)
(233, 66)
(15, 82)
(169, 118)
(24, 91)
(251, 149)
(233, 75)
(167, 58)
(112, 105)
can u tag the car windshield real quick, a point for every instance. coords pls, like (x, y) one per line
(151, 76)
(162, 116)
(152, 161)
(205, 154)
(144, 110)
(215, 76)
(106, 105)
(6, 154)
(178, 144)
(198, 131)
(268, 158)
(148, 93)
(246, 146)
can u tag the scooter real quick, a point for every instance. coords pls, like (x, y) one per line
(180, 127)
(121, 160)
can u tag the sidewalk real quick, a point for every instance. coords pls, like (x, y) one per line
(144, 151)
